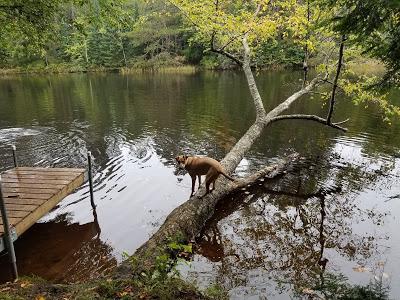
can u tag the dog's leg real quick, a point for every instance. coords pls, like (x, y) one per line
(193, 184)
(207, 188)
(199, 176)
(213, 188)
(208, 181)
(214, 179)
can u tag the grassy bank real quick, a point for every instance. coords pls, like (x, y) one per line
(160, 282)
(65, 68)
(170, 288)
(366, 67)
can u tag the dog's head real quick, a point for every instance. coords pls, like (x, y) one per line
(181, 160)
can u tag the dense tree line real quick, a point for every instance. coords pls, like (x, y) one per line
(142, 33)
(120, 33)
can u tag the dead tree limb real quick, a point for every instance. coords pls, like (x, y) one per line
(335, 81)
(310, 118)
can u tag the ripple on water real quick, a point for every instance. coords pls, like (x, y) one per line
(11, 134)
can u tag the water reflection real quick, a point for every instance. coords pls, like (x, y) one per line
(285, 234)
(61, 250)
(327, 208)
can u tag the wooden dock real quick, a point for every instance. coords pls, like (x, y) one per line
(29, 193)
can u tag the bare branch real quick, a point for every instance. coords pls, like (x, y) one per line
(310, 118)
(228, 55)
(339, 67)
(332, 83)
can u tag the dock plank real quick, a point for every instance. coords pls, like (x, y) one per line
(35, 185)
(29, 180)
(74, 170)
(23, 201)
(16, 213)
(29, 193)
(23, 207)
(27, 190)
(39, 176)
(39, 173)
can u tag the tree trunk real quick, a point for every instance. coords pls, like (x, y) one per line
(188, 219)
(123, 52)
(86, 52)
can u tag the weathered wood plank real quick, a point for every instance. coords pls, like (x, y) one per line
(23, 207)
(35, 185)
(38, 176)
(22, 201)
(29, 180)
(75, 170)
(16, 213)
(40, 173)
(19, 190)
(28, 195)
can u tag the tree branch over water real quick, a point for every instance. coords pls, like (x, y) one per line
(187, 220)
(335, 81)
(310, 118)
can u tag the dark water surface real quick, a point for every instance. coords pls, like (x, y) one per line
(340, 206)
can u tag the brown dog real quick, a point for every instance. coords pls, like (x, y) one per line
(197, 166)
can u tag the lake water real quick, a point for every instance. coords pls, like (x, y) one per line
(339, 206)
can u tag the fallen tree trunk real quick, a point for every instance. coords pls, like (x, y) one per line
(187, 220)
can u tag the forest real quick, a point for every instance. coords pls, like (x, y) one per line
(61, 36)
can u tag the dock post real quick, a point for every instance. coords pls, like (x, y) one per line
(14, 151)
(89, 157)
(7, 236)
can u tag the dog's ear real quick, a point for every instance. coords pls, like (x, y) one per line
(185, 157)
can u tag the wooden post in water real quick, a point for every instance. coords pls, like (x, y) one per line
(7, 236)
(14, 151)
(89, 157)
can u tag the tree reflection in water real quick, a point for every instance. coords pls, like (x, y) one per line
(285, 232)
(63, 251)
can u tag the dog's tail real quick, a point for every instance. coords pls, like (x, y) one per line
(227, 176)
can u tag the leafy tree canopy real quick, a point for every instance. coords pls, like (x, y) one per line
(26, 26)
(375, 25)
